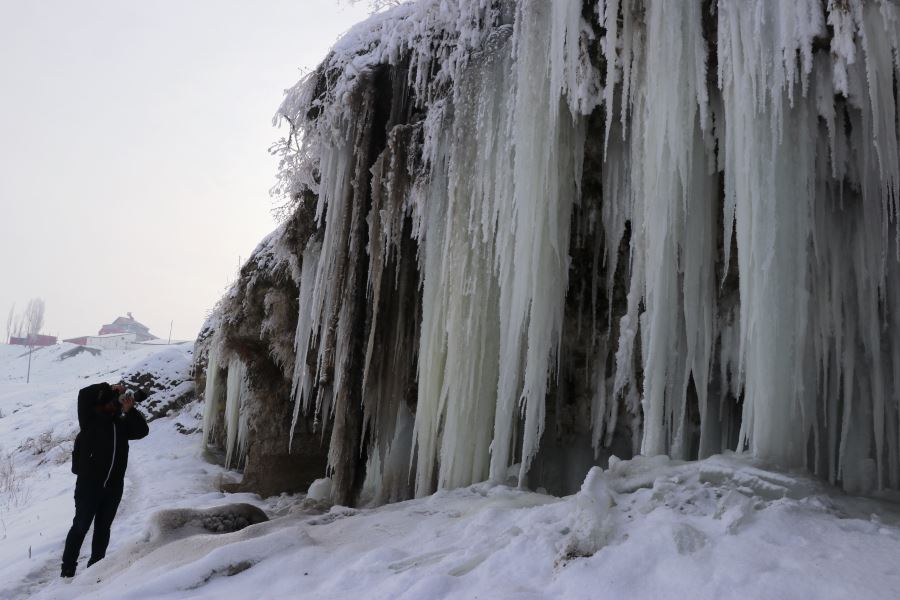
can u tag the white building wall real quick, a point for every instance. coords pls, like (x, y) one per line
(112, 341)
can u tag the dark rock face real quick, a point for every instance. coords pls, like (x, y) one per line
(232, 517)
(254, 323)
(166, 379)
(273, 464)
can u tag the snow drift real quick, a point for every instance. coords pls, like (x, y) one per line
(650, 527)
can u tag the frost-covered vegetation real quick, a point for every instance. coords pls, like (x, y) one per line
(525, 236)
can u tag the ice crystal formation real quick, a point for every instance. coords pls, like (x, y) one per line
(524, 236)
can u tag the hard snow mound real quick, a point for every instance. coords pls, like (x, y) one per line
(184, 549)
(180, 522)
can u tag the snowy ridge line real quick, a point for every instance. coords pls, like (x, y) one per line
(671, 226)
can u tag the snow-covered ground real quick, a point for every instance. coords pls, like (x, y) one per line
(646, 528)
(37, 427)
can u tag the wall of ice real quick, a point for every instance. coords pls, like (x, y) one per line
(537, 229)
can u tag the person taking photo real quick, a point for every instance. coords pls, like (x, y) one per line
(108, 421)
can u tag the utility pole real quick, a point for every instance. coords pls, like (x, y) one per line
(170, 331)
(30, 350)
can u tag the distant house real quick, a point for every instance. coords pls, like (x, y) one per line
(33, 340)
(128, 325)
(80, 341)
(109, 341)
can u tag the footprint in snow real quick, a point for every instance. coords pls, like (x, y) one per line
(420, 560)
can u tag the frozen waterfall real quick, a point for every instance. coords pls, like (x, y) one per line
(674, 222)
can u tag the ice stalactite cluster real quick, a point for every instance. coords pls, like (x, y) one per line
(226, 412)
(236, 413)
(212, 395)
(811, 178)
(734, 248)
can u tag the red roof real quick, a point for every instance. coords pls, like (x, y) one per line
(33, 340)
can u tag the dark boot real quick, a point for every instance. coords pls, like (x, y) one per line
(67, 572)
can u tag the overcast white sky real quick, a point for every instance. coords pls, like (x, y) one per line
(134, 136)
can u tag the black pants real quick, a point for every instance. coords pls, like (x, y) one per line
(93, 503)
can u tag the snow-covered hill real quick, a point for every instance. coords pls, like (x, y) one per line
(37, 427)
(645, 528)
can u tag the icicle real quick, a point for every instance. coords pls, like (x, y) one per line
(212, 396)
(496, 250)
(236, 413)
(608, 11)
(843, 16)
(301, 391)
(769, 171)
(603, 410)
(672, 225)
(880, 43)
(677, 220)
(458, 352)
(534, 262)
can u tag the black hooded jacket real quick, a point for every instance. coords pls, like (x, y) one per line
(101, 448)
